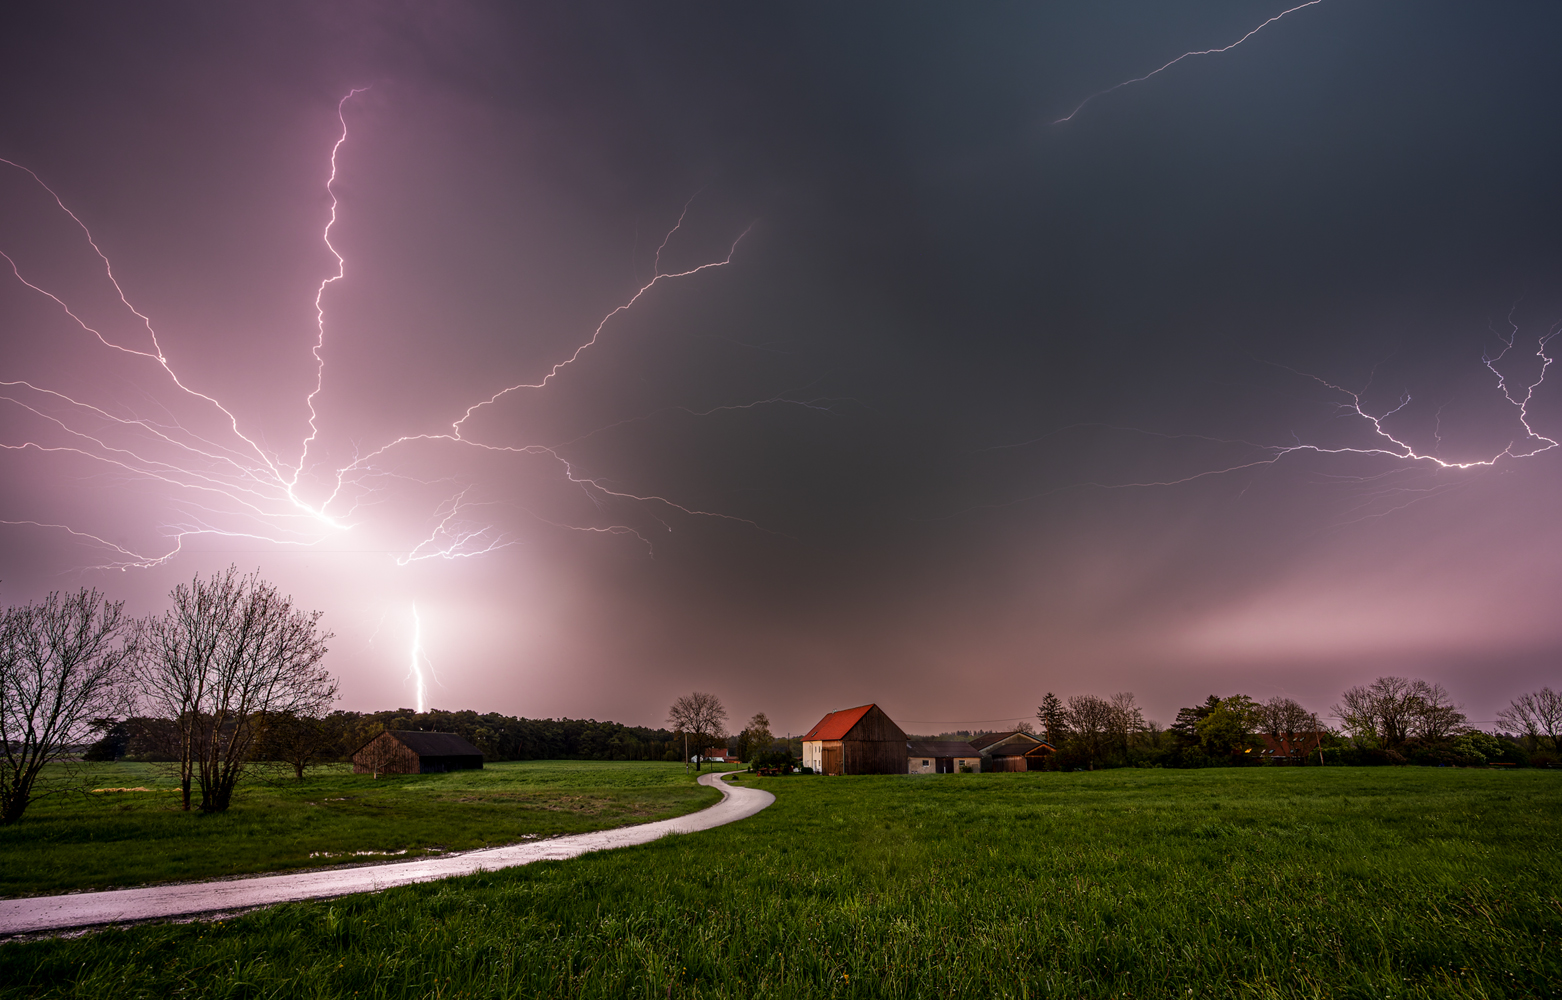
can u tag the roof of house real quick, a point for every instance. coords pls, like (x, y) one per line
(435, 744)
(1012, 736)
(1298, 743)
(836, 725)
(940, 748)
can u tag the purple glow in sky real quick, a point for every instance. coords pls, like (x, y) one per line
(1236, 382)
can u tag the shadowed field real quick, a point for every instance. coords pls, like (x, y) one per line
(84, 839)
(1298, 882)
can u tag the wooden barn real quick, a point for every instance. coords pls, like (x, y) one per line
(941, 757)
(408, 752)
(1012, 751)
(860, 740)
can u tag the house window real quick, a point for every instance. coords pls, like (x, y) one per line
(924, 763)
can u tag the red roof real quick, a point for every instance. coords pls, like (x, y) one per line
(836, 725)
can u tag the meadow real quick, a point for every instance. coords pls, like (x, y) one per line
(1300, 882)
(85, 839)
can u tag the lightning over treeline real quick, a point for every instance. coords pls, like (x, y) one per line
(158, 432)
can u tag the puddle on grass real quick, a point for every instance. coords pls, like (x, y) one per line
(374, 854)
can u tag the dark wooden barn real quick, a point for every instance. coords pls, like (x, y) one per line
(860, 740)
(1012, 751)
(403, 751)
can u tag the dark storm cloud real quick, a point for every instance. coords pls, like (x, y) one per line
(1361, 192)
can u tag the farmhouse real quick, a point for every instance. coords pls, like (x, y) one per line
(408, 752)
(941, 757)
(1291, 747)
(861, 740)
(1012, 751)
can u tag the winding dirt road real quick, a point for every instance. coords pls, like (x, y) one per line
(41, 914)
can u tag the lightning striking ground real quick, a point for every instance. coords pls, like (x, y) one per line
(1186, 55)
(420, 687)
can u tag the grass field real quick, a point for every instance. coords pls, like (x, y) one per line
(1305, 882)
(83, 840)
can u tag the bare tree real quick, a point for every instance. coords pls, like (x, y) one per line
(1091, 724)
(232, 647)
(1391, 710)
(1537, 715)
(1380, 712)
(699, 716)
(1436, 717)
(1285, 718)
(64, 663)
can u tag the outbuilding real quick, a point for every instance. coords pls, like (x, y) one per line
(403, 751)
(861, 740)
(941, 757)
(1012, 751)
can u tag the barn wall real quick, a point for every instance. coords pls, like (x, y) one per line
(394, 757)
(875, 726)
(1006, 764)
(874, 756)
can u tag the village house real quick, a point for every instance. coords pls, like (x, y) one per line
(941, 757)
(410, 752)
(1012, 751)
(861, 740)
(1291, 748)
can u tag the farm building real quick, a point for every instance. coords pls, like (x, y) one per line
(860, 740)
(408, 752)
(1012, 751)
(1291, 747)
(941, 757)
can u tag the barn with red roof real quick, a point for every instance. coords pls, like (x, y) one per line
(861, 740)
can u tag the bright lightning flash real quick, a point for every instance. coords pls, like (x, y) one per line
(419, 685)
(218, 478)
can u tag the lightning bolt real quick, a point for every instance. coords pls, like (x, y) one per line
(1382, 441)
(226, 483)
(419, 686)
(1185, 55)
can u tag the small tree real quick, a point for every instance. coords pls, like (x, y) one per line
(1052, 716)
(1537, 715)
(755, 738)
(700, 717)
(1228, 729)
(64, 664)
(231, 650)
(299, 741)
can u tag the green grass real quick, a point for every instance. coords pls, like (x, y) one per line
(1305, 882)
(85, 840)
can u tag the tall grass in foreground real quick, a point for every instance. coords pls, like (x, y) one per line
(1248, 883)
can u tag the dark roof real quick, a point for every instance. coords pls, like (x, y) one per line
(836, 725)
(435, 744)
(940, 748)
(1013, 736)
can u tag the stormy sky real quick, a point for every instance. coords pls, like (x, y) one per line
(972, 405)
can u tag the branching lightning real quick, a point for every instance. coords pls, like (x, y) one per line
(1186, 55)
(1381, 440)
(228, 483)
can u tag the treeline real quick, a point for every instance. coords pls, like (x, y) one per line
(301, 741)
(1393, 720)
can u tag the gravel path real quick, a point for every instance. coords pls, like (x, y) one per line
(89, 909)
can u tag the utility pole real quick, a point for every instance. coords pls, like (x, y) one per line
(685, 752)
